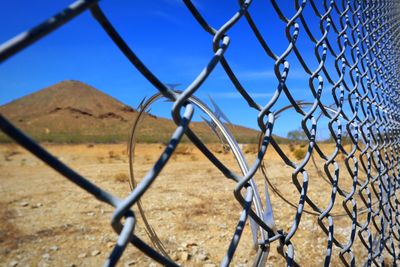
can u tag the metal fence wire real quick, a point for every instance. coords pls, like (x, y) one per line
(357, 50)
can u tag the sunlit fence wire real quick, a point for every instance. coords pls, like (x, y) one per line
(356, 47)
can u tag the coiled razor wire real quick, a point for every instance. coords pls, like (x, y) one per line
(366, 62)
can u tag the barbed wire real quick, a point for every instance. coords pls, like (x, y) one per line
(357, 55)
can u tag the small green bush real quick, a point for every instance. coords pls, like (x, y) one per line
(299, 153)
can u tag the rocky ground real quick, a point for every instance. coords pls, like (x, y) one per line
(48, 221)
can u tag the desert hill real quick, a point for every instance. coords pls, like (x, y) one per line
(74, 112)
(70, 111)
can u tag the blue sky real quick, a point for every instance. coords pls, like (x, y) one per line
(167, 38)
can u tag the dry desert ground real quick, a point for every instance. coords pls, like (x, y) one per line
(48, 221)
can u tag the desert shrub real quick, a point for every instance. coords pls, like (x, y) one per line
(183, 149)
(218, 148)
(303, 144)
(9, 153)
(121, 177)
(250, 148)
(291, 147)
(113, 155)
(299, 153)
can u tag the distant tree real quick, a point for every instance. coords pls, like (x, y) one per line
(297, 136)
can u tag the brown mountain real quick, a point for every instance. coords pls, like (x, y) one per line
(73, 112)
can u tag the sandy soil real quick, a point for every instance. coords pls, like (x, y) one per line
(48, 221)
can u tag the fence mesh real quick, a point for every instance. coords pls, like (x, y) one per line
(356, 52)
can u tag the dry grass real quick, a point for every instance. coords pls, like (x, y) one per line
(100, 159)
(148, 158)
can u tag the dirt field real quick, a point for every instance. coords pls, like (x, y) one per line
(48, 221)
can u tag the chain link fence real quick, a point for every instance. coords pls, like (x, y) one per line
(357, 51)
